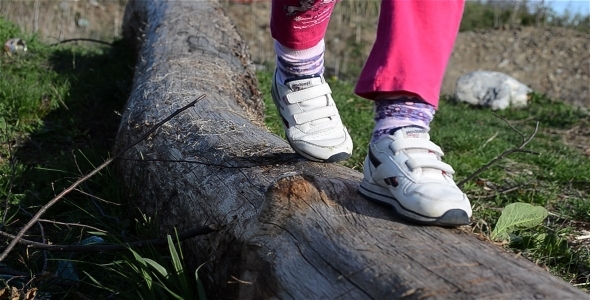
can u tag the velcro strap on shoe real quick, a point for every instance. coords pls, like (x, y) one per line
(430, 163)
(316, 114)
(309, 93)
(416, 144)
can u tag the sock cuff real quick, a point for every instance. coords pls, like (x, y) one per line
(392, 114)
(296, 63)
(287, 52)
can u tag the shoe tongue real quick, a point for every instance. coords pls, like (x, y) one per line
(305, 83)
(301, 84)
(412, 132)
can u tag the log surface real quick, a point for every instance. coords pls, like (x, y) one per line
(291, 229)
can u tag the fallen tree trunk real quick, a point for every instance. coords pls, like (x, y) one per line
(290, 228)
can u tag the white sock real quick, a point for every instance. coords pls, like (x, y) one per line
(296, 63)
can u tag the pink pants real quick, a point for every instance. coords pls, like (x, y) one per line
(414, 42)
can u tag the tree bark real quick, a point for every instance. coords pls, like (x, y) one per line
(290, 228)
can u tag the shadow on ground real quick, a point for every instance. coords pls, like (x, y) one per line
(73, 139)
(80, 133)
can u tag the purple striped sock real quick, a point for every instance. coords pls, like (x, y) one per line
(392, 114)
(295, 63)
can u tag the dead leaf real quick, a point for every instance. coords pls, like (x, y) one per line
(4, 293)
(30, 294)
(15, 295)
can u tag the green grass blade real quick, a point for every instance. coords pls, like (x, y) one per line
(200, 287)
(178, 267)
(143, 268)
(157, 267)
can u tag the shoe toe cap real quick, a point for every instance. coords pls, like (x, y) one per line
(436, 199)
(325, 147)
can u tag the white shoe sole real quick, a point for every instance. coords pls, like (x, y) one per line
(374, 192)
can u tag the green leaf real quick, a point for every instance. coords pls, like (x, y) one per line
(517, 216)
(98, 283)
(177, 263)
(200, 287)
(157, 267)
(3, 125)
(144, 268)
(540, 238)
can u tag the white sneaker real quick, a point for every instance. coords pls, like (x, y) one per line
(310, 119)
(405, 171)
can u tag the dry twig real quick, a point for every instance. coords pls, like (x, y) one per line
(95, 197)
(43, 239)
(525, 141)
(504, 191)
(71, 224)
(82, 40)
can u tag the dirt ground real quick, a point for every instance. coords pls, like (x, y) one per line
(551, 60)
(555, 61)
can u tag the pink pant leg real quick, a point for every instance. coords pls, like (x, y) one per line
(414, 43)
(300, 24)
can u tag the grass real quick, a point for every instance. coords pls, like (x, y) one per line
(557, 179)
(58, 119)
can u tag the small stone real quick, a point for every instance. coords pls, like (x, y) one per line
(505, 62)
(494, 89)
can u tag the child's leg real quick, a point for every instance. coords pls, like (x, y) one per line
(406, 65)
(414, 43)
(300, 24)
(302, 96)
(298, 27)
(403, 75)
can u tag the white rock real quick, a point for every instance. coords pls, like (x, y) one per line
(494, 89)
